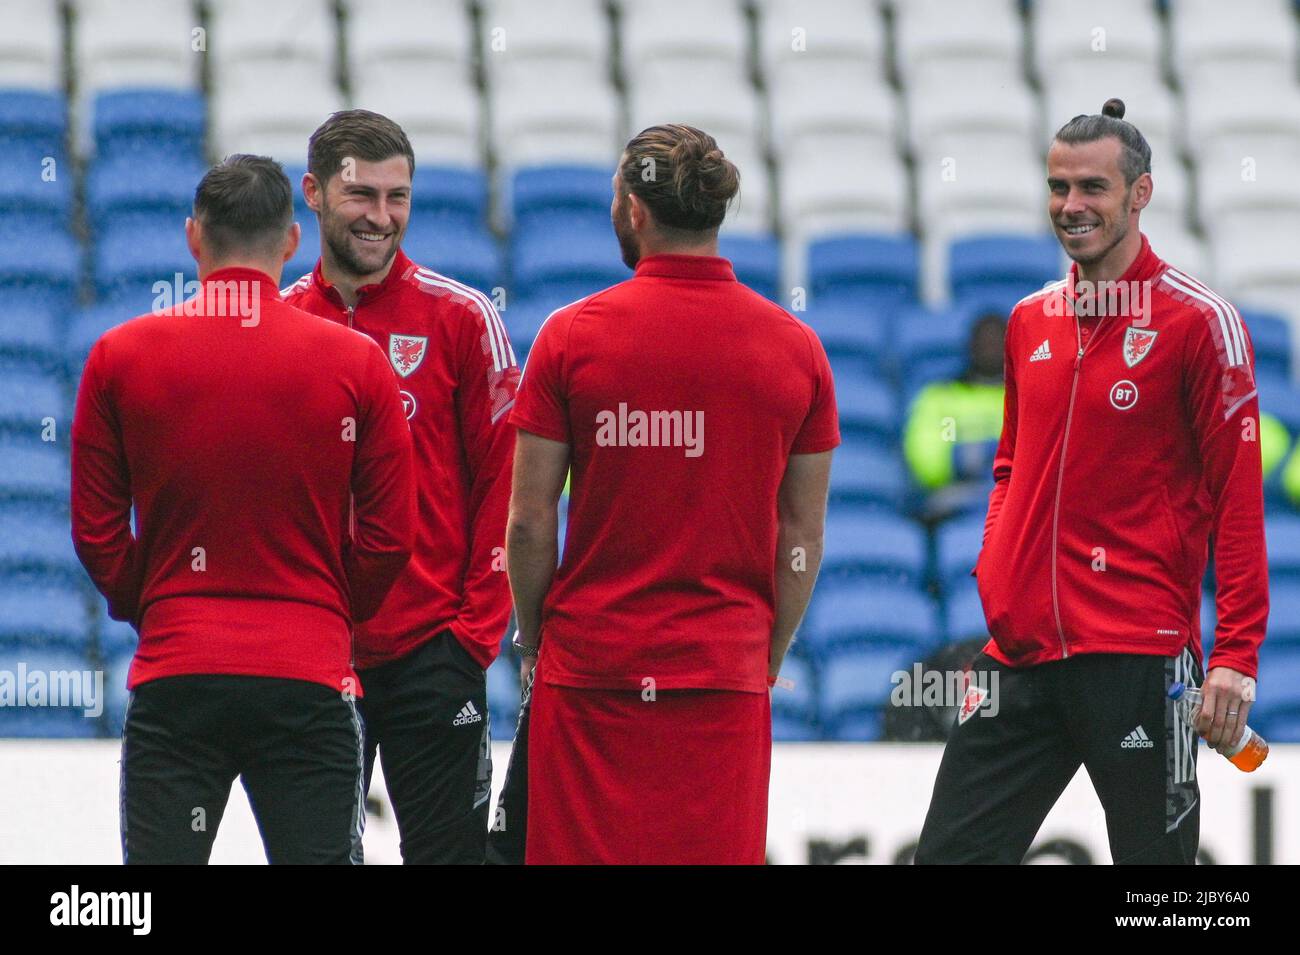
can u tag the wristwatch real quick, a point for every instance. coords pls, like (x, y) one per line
(524, 649)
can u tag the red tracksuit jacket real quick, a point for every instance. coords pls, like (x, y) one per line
(458, 375)
(240, 437)
(1129, 443)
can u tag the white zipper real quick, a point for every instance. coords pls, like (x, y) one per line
(1060, 475)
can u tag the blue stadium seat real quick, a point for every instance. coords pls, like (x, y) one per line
(884, 269)
(882, 544)
(33, 470)
(1270, 335)
(41, 611)
(1284, 610)
(865, 726)
(44, 268)
(857, 680)
(29, 335)
(538, 192)
(471, 257)
(116, 667)
(853, 329)
(35, 194)
(865, 611)
(868, 406)
(36, 539)
(862, 472)
(451, 193)
(583, 253)
(958, 544)
(47, 721)
(756, 260)
(125, 184)
(1279, 398)
(997, 271)
(35, 118)
(89, 324)
(1279, 677)
(792, 728)
(29, 395)
(931, 346)
(133, 252)
(1282, 539)
(964, 613)
(1277, 725)
(157, 121)
(797, 694)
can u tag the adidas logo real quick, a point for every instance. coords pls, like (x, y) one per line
(1138, 739)
(467, 714)
(1042, 352)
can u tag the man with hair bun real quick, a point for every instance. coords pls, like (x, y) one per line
(698, 419)
(1129, 443)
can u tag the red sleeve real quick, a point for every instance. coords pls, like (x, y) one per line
(101, 495)
(383, 491)
(821, 429)
(1224, 411)
(1006, 445)
(542, 408)
(489, 382)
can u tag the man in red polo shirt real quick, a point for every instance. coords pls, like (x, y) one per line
(698, 419)
(268, 463)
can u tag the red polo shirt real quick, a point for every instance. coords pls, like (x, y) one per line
(682, 395)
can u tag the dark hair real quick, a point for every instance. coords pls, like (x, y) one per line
(355, 134)
(244, 202)
(681, 175)
(1135, 154)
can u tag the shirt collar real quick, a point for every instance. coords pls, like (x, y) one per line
(368, 292)
(1144, 267)
(697, 267)
(266, 287)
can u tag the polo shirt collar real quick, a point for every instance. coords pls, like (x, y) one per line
(706, 267)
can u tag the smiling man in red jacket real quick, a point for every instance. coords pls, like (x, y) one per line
(247, 436)
(422, 658)
(1130, 441)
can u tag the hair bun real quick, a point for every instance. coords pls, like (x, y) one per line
(1113, 107)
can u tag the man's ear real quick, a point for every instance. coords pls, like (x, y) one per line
(313, 192)
(291, 241)
(193, 236)
(1143, 189)
(638, 214)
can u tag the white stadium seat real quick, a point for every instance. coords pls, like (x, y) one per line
(431, 32)
(1109, 36)
(539, 34)
(751, 213)
(31, 45)
(686, 33)
(1243, 43)
(1170, 204)
(793, 34)
(975, 30)
(724, 105)
(141, 43)
(573, 118)
(434, 102)
(835, 96)
(1229, 183)
(1179, 247)
(251, 33)
(246, 119)
(950, 118)
(1257, 260)
(1240, 121)
(837, 183)
(1149, 105)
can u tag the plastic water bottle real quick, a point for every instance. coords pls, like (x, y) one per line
(1248, 753)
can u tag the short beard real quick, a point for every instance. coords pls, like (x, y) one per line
(1121, 233)
(344, 257)
(627, 242)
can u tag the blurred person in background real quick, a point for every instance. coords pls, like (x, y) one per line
(698, 419)
(953, 427)
(274, 504)
(423, 657)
